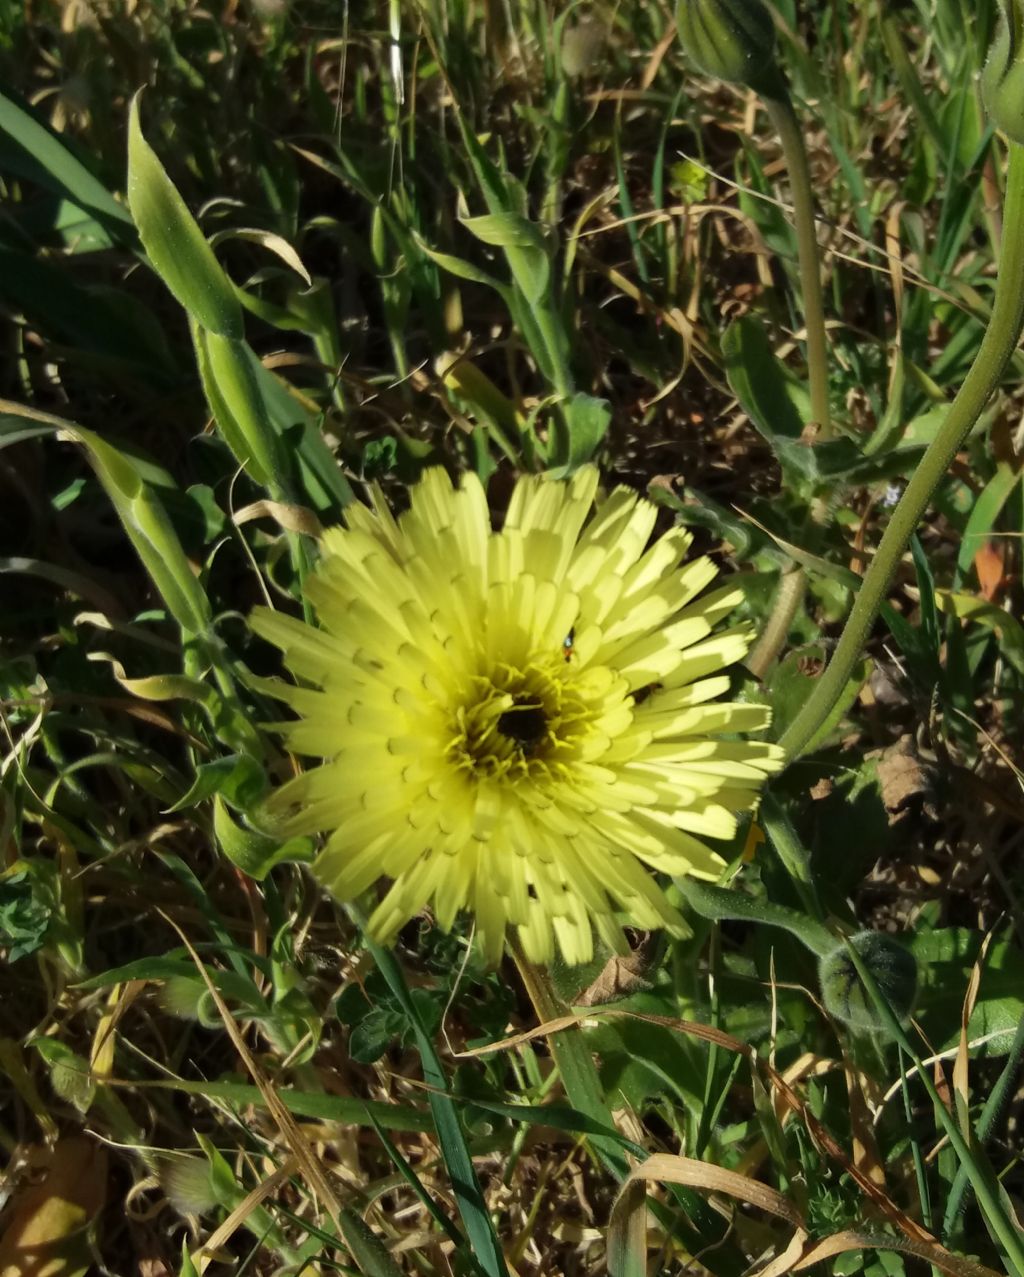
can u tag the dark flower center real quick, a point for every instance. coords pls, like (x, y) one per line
(524, 724)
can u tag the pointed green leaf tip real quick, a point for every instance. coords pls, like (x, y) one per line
(174, 244)
(733, 40)
(1002, 81)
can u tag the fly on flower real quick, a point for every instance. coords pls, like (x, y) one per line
(469, 760)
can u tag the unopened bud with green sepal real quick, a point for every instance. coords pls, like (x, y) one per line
(1002, 81)
(894, 970)
(733, 40)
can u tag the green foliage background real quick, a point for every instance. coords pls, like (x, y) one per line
(498, 236)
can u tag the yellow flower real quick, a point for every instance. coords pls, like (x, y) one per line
(515, 723)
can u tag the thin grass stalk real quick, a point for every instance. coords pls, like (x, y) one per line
(993, 1108)
(447, 1122)
(997, 346)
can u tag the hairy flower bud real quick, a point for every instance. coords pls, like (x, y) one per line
(1002, 81)
(893, 967)
(733, 40)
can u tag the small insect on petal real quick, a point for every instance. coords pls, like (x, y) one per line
(541, 777)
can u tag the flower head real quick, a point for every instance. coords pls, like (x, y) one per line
(1002, 80)
(733, 40)
(515, 723)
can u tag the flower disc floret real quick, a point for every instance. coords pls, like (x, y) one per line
(520, 724)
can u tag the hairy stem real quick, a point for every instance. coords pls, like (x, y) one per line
(791, 590)
(997, 345)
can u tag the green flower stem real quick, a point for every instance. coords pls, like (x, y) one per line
(997, 346)
(783, 117)
(969, 1152)
(570, 1052)
(793, 584)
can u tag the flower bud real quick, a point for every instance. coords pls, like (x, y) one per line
(895, 972)
(1002, 81)
(733, 40)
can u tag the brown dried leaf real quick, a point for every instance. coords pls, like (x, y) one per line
(902, 776)
(620, 977)
(46, 1233)
(961, 1067)
(990, 565)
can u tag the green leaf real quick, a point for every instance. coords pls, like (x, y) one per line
(375, 1033)
(156, 968)
(586, 419)
(986, 510)
(187, 1269)
(462, 269)
(945, 958)
(793, 681)
(505, 230)
(312, 1104)
(719, 903)
(116, 329)
(70, 1075)
(225, 368)
(323, 481)
(30, 149)
(239, 780)
(175, 245)
(770, 396)
(968, 607)
(252, 852)
(696, 510)
(365, 1246)
(24, 915)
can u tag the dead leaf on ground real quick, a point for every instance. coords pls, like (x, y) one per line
(46, 1233)
(990, 565)
(903, 777)
(620, 977)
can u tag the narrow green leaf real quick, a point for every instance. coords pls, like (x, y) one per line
(462, 269)
(416, 1184)
(187, 1269)
(505, 230)
(312, 1104)
(986, 510)
(115, 329)
(454, 1149)
(969, 607)
(33, 150)
(173, 241)
(365, 1246)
